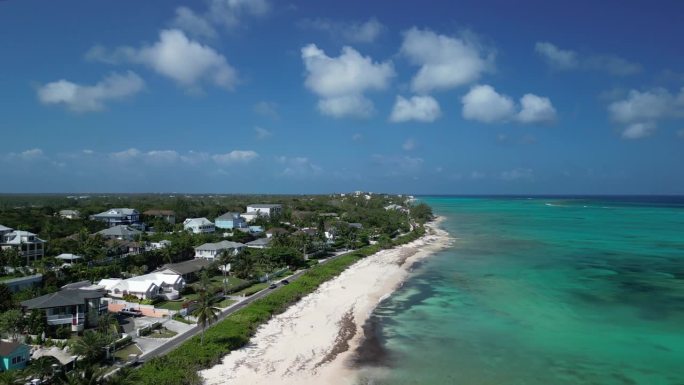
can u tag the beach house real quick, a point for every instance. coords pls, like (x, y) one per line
(266, 210)
(13, 355)
(169, 216)
(147, 286)
(69, 214)
(26, 243)
(120, 232)
(214, 250)
(199, 225)
(77, 305)
(116, 217)
(230, 220)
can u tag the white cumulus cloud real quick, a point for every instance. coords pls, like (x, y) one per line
(536, 109)
(341, 81)
(564, 60)
(176, 56)
(445, 62)
(235, 156)
(418, 108)
(229, 14)
(641, 111)
(192, 23)
(85, 98)
(262, 133)
(484, 104)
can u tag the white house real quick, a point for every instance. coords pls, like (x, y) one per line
(69, 258)
(199, 225)
(147, 286)
(249, 216)
(69, 214)
(158, 245)
(27, 243)
(214, 250)
(266, 210)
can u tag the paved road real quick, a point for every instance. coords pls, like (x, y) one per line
(178, 340)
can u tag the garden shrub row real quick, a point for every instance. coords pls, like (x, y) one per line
(180, 366)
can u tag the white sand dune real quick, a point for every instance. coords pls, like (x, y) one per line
(311, 341)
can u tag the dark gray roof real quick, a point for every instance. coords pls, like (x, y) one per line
(187, 267)
(119, 231)
(259, 242)
(229, 216)
(68, 297)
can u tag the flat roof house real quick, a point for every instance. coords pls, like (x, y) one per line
(230, 221)
(78, 305)
(199, 225)
(28, 244)
(13, 355)
(116, 217)
(265, 209)
(213, 250)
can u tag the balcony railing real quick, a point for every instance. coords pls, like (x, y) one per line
(62, 319)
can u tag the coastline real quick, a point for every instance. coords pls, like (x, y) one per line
(314, 340)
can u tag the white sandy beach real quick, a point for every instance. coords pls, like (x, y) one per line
(311, 342)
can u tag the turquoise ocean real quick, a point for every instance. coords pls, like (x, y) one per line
(539, 291)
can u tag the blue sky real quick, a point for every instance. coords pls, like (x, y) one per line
(241, 96)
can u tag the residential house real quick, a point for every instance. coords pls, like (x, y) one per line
(275, 231)
(230, 221)
(4, 230)
(260, 243)
(199, 225)
(120, 232)
(69, 259)
(28, 244)
(189, 270)
(158, 245)
(116, 217)
(266, 210)
(147, 286)
(249, 216)
(13, 355)
(78, 305)
(167, 215)
(212, 251)
(396, 208)
(70, 214)
(22, 283)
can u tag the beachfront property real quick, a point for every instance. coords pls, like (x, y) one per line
(120, 232)
(169, 216)
(260, 243)
(13, 355)
(147, 286)
(199, 225)
(230, 221)
(116, 217)
(26, 243)
(189, 270)
(69, 259)
(212, 251)
(266, 210)
(78, 305)
(69, 214)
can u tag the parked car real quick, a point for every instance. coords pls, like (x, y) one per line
(131, 312)
(273, 286)
(284, 281)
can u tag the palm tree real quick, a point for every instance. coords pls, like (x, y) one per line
(205, 313)
(9, 378)
(90, 346)
(89, 375)
(42, 367)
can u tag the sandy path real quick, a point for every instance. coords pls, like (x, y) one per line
(310, 342)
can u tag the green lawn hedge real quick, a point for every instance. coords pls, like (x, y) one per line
(180, 366)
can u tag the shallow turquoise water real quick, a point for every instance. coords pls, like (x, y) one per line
(540, 291)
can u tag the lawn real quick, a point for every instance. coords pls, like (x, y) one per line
(252, 289)
(176, 305)
(225, 303)
(122, 354)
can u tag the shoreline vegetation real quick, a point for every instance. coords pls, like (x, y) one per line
(317, 339)
(181, 366)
